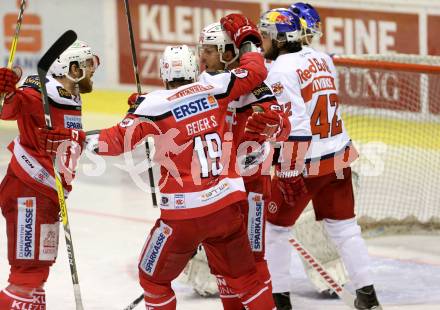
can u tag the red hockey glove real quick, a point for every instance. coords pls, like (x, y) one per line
(241, 29)
(51, 140)
(8, 79)
(266, 124)
(291, 185)
(131, 101)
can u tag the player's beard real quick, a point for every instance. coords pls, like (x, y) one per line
(85, 85)
(273, 52)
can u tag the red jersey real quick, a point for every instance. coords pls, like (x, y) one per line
(240, 110)
(193, 148)
(31, 165)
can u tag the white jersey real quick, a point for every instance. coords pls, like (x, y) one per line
(305, 83)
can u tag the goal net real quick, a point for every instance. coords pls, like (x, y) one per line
(391, 109)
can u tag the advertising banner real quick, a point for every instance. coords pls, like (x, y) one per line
(355, 31)
(159, 23)
(44, 21)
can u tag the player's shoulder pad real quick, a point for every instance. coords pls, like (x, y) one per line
(240, 73)
(152, 104)
(61, 97)
(32, 81)
(220, 82)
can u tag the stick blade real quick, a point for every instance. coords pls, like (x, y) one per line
(56, 50)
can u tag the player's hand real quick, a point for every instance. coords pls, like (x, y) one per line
(61, 140)
(292, 187)
(131, 101)
(241, 29)
(9, 78)
(263, 125)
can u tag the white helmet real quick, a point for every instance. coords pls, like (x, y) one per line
(178, 62)
(214, 34)
(78, 52)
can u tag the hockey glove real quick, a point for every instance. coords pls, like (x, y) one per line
(291, 185)
(50, 140)
(8, 79)
(263, 125)
(241, 29)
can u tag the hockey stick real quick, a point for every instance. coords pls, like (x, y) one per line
(134, 303)
(345, 295)
(43, 67)
(14, 46)
(138, 85)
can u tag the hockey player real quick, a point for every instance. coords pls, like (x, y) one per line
(199, 198)
(218, 53)
(307, 230)
(304, 80)
(28, 197)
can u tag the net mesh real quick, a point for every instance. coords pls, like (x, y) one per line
(393, 117)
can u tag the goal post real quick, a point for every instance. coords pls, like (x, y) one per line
(391, 108)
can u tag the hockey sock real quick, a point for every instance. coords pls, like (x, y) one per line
(39, 299)
(263, 272)
(253, 293)
(9, 300)
(167, 302)
(346, 235)
(278, 255)
(228, 297)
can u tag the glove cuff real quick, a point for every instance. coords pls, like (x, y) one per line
(247, 46)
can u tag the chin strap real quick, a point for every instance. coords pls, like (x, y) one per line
(76, 80)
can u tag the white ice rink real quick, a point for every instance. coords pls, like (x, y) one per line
(110, 218)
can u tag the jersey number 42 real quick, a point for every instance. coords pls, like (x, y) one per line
(319, 120)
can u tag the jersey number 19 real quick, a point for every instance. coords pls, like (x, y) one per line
(210, 160)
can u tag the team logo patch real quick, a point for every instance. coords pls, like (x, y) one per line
(272, 207)
(255, 221)
(26, 217)
(164, 201)
(49, 241)
(72, 121)
(198, 106)
(179, 201)
(240, 73)
(277, 88)
(127, 122)
(32, 81)
(154, 248)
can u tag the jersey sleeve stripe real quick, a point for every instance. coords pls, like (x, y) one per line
(64, 106)
(299, 138)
